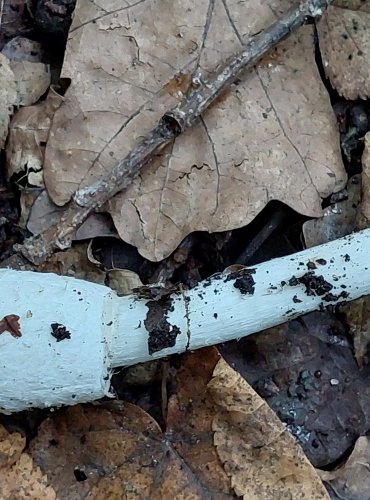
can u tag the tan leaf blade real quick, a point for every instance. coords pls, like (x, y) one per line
(216, 426)
(13, 19)
(358, 311)
(32, 76)
(363, 220)
(352, 480)
(344, 36)
(8, 97)
(260, 456)
(119, 454)
(19, 477)
(272, 136)
(29, 128)
(23, 78)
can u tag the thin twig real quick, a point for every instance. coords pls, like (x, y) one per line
(274, 222)
(172, 124)
(1, 12)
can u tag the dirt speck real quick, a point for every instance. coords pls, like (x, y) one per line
(331, 297)
(244, 281)
(59, 332)
(161, 333)
(311, 265)
(315, 285)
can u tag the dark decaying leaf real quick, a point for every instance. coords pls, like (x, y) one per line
(89, 451)
(307, 373)
(15, 19)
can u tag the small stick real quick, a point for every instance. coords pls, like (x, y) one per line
(173, 123)
(73, 333)
(274, 222)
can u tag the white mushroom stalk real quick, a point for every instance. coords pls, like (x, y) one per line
(72, 333)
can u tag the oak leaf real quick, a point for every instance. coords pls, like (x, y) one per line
(271, 136)
(345, 48)
(94, 452)
(121, 452)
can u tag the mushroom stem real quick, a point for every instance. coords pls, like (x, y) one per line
(73, 333)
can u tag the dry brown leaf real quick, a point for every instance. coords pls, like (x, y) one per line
(262, 459)
(357, 315)
(96, 225)
(23, 79)
(345, 48)
(271, 136)
(338, 220)
(13, 19)
(45, 213)
(11, 447)
(363, 216)
(8, 97)
(32, 76)
(123, 281)
(189, 420)
(74, 262)
(20, 49)
(358, 311)
(26, 201)
(114, 454)
(19, 478)
(25, 481)
(28, 133)
(122, 453)
(352, 480)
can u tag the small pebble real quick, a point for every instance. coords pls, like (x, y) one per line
(334, 381)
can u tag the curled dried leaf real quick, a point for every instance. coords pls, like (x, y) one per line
(10, 323)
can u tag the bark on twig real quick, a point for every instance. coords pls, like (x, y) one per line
(173, 123)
